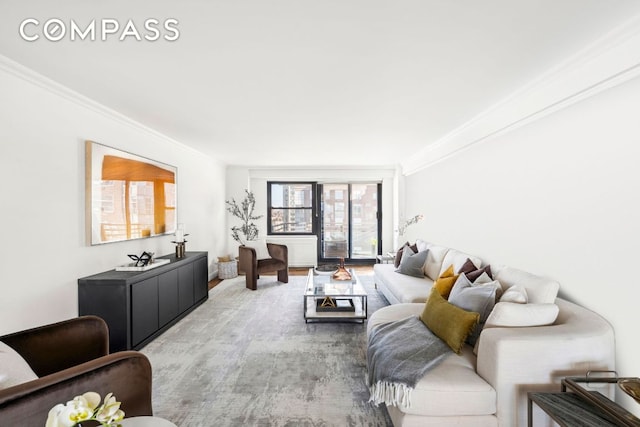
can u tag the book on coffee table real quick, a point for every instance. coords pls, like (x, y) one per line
(335, 304)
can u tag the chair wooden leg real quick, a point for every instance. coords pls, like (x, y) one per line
(283, 275)
(251, 280)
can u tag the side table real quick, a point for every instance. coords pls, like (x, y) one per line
(385, 259)
(576, 406)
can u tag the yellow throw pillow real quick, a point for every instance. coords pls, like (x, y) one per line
(449, 323)
(445, 282)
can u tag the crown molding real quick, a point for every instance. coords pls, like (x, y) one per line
(18, 70)
(610, 61)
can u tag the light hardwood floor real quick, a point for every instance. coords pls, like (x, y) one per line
(303, 271)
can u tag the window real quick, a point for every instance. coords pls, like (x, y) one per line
(349, 221)
(291, 207)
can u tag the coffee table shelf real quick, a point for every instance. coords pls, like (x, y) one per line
(321, 290)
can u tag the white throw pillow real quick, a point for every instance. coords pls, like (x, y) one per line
(262, 252)
(13, 368)
(511, 314)
(517, 294)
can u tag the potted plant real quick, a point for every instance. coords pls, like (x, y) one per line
(244, 211)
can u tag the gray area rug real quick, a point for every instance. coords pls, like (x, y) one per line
(247, 358)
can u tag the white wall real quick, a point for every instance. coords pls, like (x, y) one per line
(557, 197)
(255, 179)
(43, 251)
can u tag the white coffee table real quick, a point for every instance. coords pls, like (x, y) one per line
(146, 422)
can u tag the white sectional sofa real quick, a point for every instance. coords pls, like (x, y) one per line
(488, 385)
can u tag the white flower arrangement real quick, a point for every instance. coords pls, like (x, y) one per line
(408, 222)
(86, 408)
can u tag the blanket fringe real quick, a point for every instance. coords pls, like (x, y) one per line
(394, 394)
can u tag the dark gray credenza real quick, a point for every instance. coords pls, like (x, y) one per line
(139, 306)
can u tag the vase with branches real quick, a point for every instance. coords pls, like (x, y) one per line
(244, 211)
(407, 223)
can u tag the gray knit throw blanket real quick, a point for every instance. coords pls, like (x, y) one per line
(400, 353)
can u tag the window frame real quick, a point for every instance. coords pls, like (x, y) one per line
(313, 208)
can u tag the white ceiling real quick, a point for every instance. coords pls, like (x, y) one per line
(301, 82)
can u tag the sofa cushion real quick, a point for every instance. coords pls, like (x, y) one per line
(453, 389)
(448, 322)
(13, 368)
(400, 288)
(510, 314)
(422, 245)
(539, 289)
(412, 263)
(445, 282)
(479, 298)
(433, 265)
(458, 259)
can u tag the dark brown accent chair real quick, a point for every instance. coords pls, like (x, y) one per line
(70, 358)
(253, 267)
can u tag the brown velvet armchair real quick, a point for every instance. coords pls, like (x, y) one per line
(70, 358)
(252, 266)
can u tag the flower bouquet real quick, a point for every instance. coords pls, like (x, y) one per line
(86, 408)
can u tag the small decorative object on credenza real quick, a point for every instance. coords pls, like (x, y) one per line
(179, 241)
(342, 273)
(143, 262)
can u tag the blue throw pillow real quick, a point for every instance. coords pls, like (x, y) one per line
(412, 263)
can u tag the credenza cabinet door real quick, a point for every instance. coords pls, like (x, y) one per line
(167, 297)
(144, 309)
(201, 279)
(186, 295)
